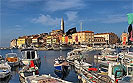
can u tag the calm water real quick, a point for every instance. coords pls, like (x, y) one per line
(46, 66)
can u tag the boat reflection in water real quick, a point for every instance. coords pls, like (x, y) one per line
(5, 80)
(62, 74)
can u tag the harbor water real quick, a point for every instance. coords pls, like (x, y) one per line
(46, 66)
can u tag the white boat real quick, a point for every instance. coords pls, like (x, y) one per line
(5, 69)
(79, 64)
(30, 55)
(74, 54)
(12, 59)
(44, 79)
(109, 54)
(28, 71)
(130, 53)
(108, 50)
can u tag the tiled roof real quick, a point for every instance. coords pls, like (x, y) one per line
(85, 32)
(35, 37)
(102, 33)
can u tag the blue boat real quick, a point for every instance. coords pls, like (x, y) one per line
(61, 64)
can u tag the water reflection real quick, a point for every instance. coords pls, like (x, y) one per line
(5, 80)
(62, 74)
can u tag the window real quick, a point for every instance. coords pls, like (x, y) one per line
(33, 54)
(28, 55)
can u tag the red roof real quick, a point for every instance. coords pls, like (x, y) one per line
(35, 37)
(102, 33)
(24, 37)
(85, 32)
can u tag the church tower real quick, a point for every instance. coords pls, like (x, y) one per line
(62, 24)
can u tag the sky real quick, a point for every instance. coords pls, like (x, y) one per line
(28, 17)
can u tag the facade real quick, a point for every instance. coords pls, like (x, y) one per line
(70, 39)
(99, 41)
(110, 38)
(35, 41)
(21, 41)
(25, 40)
(55, 40)
(13, 43)
(83, 37)
(64, 39)
(49, 40)
(124, 38)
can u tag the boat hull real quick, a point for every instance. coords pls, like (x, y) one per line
(4, 74)
(61, 67)
(36, 61)
(13, 64)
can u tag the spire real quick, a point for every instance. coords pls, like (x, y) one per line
(81, 26)
(62, 24)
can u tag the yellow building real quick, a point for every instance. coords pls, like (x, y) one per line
(83, 37)
(63, 39)
(25, 40)
(110, 38)
(21, 41)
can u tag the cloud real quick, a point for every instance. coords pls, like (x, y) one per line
(71, 15)
(55, 5)
(46, 20)
(114, 19)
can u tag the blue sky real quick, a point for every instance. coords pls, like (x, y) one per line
(27, 17)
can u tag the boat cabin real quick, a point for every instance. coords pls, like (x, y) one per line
(11, 57)
(29, 54)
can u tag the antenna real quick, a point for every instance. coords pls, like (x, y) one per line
(81, 26)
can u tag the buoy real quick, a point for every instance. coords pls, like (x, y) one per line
(44, 56)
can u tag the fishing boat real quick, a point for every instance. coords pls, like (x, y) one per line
(79, 64)
(61, 64)
(44, 79)
(74, 54)
(30, 54)
(109, 54)
(28, 71)
(12, 59)
(5, 69)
